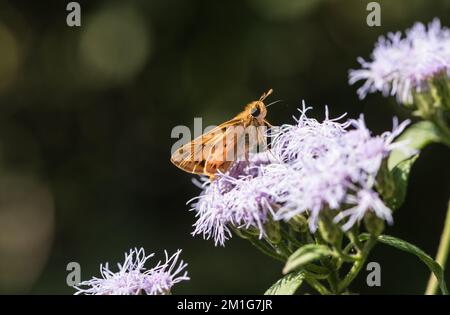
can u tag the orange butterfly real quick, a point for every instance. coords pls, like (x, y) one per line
(216, 150)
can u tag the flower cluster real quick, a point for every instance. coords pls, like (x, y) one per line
(133, 278)
(401, 66)
(238, 198)
(311, 166)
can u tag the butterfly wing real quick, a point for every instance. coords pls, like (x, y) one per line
(206, 154)
(217, 149)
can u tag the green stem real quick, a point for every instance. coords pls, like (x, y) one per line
(316, 285)
(290, 237)
(333, 281)
(333, 277)
(341, 255)
(266, 250)
(357, 265)
(317, 272)
(353, 237)
(442, 254)
(282, 249)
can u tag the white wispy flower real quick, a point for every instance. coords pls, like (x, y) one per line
(237, 199)
(133, 278)
(311, 166)
(326, 164)
(161, 278)
(364, 200)
(402, 65)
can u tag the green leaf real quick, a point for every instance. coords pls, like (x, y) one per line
(400, 176)
(304, 255)
(418, 136)
(412, 249)
(393, 184)
(287, 285)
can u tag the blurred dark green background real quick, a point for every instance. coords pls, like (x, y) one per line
(86, 115)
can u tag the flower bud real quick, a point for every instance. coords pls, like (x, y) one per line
(440, 90)
(423, 105)
(272, 229)
(245, 233)
(299, 223)
(434, 99)
(374, 225)
(385, 184)
(329, 230)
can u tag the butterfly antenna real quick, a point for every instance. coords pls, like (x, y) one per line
(273, 103)
(265, 95)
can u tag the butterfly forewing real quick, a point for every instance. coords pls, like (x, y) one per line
(206, 153)
(217, 149)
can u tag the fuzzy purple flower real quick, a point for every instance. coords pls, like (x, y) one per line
(311, 166)
(326, 164)
(401, 66)
(237, 199)
(365, 200)
(133, 278)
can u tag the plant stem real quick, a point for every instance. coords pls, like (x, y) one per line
(288, 235)
(266, 250)
(317, 272)
(354, 239)
(341, 255)
(442, 254)
(333, 281)
(319, 287)
(331, 264)
(282, 249)
(358, 264)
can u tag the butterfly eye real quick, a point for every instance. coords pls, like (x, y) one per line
(255, 112)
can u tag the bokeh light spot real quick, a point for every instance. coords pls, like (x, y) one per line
(26, 229)
(9, 57)
(115, 44)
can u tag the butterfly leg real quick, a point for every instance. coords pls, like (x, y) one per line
(268, 123)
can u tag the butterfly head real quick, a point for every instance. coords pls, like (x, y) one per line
(257, 109)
